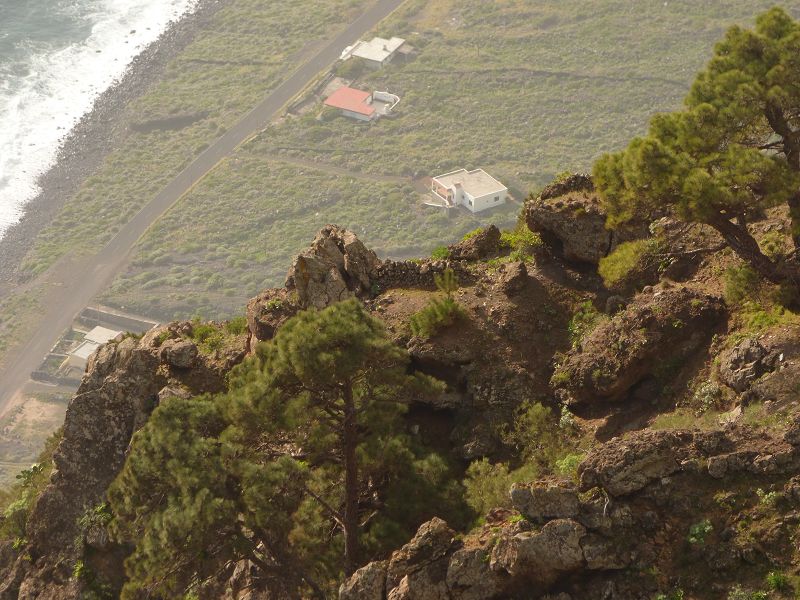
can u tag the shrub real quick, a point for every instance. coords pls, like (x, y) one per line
(739, 593)
(699, 531)
(568, 466)
(236, 326)
(439, 314)
(18, 501)
(583, 321)
(676, 594)
(471, 234)
(622, 261)
(536, 434)
(520, 238)
(208, 337)
(767, 498)
(741, 284)
(773, 244)
(777, 581)
(440, 253)
(487, 485)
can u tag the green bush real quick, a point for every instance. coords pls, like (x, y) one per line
(487, 485)
(622, 261)
(18, 501)
(439, 313)
(236, 326)
(741, 284)
(536, 434)
(440, 253)
(568, 466)
(699, 531)
(777, 581)
(739, 593)
(521, 241)
(208, 337)
(583, 322)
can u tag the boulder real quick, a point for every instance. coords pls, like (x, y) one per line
(541, 558)
(625, 465)
(651, 338)
(513, 277)
(484, 243)
(744, 363)
(469, 576)
(335, 267)
(431, 543)
(570, 211)
(542, 503)
(268, 311)
(604, 554)
(368, 583)
(179, 353)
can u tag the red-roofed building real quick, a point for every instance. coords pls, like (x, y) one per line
(353, 103)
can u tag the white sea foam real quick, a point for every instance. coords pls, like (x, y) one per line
(38, 109)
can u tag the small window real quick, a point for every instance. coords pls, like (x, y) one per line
(470, 201)
(497, 198)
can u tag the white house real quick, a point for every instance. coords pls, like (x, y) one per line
(377, 52)
(98, 336)
(476, 190)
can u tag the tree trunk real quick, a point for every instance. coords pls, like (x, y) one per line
(794, 214)
(350, 513)
(746, 247)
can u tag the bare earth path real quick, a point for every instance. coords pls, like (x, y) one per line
(72, 285)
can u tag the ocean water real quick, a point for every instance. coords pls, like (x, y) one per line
(56, 57)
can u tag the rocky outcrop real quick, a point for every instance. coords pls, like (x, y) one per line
(268, 311)
(122, 385)
(513, 277)
(651, 337)
(540, 503)
(337, 266)
(570, 212)
(482, 244)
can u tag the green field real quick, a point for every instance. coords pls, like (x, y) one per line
(522, 91)
(237, 233)
(248, 48)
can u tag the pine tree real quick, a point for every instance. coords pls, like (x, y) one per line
(731, 153)
(291, 468)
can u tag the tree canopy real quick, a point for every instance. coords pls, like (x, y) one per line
(733, 151)
(303, 467)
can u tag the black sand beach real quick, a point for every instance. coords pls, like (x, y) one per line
(97, 134)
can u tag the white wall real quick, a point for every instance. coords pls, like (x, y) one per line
(355, 115)
(485, 202)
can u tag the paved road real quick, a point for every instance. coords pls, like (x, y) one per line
(72, 287)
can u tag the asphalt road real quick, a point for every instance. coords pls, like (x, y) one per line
(72, 286)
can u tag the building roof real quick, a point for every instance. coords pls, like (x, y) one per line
(85, 350)
(101, 335)
(377, 49)
(351, 99)
(476, 183)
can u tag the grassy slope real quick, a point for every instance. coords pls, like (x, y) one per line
(522, 91)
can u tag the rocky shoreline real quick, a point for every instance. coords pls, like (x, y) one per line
(99, 132)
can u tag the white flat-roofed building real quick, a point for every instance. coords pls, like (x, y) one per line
(101, 335)
(377, 52)
(79, 357)
(476, 190)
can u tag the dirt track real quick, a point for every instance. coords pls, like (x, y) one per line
(72, 285)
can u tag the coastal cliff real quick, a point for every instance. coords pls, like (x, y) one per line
(675, 419)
